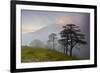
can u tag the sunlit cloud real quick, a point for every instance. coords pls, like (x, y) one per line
(30, 28)
(62, 20)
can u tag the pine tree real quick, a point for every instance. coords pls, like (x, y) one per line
(70, 36)
(52, 38)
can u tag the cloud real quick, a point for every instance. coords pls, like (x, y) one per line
(30, 28)
(62, 20)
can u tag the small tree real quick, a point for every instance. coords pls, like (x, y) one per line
(70, 36)
(63, 42)
(36, 43)
(52, 38)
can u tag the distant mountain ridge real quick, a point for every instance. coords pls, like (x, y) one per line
(41, 34)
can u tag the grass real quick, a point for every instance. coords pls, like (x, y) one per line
(29, 54)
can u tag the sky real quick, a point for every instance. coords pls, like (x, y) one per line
(36, 20)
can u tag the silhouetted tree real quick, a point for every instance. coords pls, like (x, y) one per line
(52, 38)
(70, 36)
(63, 42)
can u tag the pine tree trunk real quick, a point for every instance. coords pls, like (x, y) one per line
(64, 50)
(70, 51)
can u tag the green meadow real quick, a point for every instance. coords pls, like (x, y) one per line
(29, 54)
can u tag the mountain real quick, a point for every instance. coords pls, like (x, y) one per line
(41, 34)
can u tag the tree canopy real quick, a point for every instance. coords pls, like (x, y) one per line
(70, 36)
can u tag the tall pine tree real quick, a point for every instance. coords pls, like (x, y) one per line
(70, 36)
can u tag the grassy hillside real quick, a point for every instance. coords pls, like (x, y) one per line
(29, 54)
